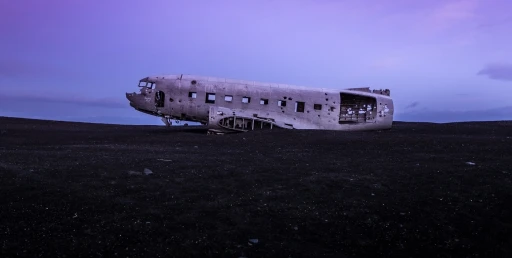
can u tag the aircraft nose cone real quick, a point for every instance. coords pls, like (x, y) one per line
(131, 98)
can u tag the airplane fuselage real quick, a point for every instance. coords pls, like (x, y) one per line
(227, 105)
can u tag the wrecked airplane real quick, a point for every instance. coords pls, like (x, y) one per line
(227, 105)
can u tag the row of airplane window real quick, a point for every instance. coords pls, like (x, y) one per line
(210, 98)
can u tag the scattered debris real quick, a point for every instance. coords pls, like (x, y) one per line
(147, 171)
(378, 186)
(470, 163)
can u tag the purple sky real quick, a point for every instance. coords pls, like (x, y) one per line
(57, 56)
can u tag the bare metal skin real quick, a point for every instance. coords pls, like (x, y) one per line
(227, 105)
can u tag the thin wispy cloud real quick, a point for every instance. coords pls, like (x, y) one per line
(34, 70)
(501, 22)
(71, 99)
(451, 14)
(412, 105)
(428, 115)
(20, 69)
(388, 63)
(498, 71)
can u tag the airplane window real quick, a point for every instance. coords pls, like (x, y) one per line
(246, 99)
(299, 106)
(228, 98)
(264, 101)
(281, 103)
(210, 98)
(317, 107)
(148, 85)
(192, 95)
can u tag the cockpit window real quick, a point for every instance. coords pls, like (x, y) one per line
(148, 85)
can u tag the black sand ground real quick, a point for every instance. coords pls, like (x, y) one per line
(66, 191)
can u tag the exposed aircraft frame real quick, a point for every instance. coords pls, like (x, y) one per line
(228, 106)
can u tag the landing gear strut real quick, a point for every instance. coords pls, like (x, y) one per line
(167, 121)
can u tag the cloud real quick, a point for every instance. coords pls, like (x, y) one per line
(71, 99)
(445, 116)
(81, 109)
(387, 63)
(495, 23)
(451, 14)
(21, 69)
(497, 71)
(412, 105)
(17, 69)
(456, 11)
(120, 120)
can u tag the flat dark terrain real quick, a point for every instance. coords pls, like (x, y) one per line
(418, 190)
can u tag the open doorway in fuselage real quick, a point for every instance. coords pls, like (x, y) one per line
(356, 108)
(159, 99)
